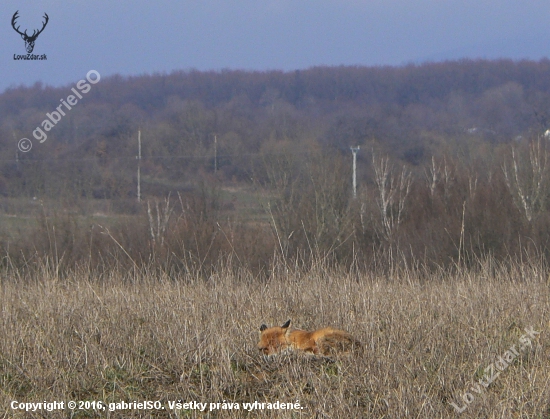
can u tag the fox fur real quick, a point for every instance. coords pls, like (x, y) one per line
(326, 341)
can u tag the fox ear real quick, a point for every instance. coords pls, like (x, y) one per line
(263, 327)
(286, 325)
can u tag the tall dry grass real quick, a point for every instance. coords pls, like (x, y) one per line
(144, 336)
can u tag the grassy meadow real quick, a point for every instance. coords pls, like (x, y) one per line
(139, 335)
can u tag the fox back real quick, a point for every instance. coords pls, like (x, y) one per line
(326, 341)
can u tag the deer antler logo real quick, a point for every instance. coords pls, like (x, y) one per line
(29, 40)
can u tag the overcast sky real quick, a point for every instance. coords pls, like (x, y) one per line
(137, 37)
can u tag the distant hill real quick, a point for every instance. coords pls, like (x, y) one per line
(409, 111)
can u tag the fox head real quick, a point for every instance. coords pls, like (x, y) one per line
(274, 339)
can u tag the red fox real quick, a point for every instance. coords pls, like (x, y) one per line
(324, 341)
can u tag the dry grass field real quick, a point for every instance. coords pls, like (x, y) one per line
(429, 340)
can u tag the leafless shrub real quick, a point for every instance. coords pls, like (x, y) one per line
(393, 190)
(158, 226)
(527, 179)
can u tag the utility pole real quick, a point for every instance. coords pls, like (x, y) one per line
(16, 153)
(139, 167)
(215, 153)
(354, 150)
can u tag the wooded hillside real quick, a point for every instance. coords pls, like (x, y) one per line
(453, 159)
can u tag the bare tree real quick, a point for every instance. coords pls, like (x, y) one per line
(433, 176)
(393, 190)
(158, 227)
(527, 179)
